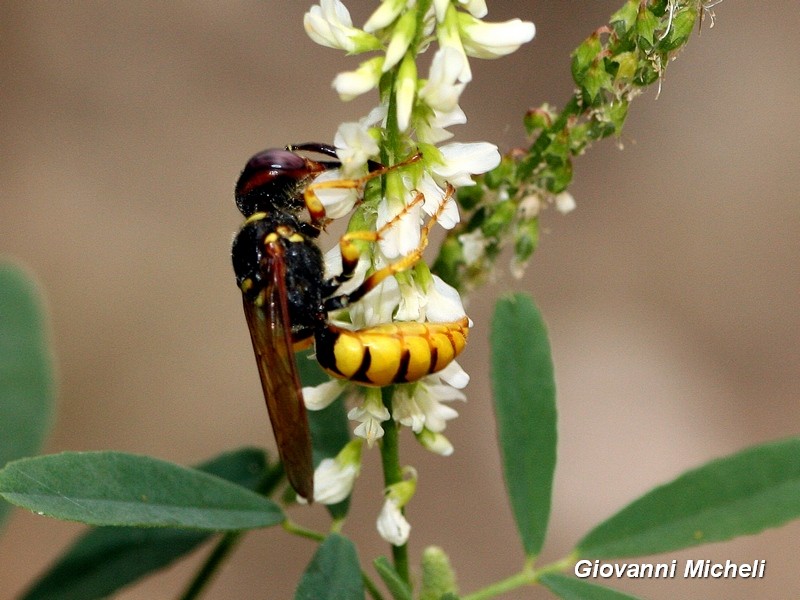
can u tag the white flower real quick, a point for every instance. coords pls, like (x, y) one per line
(334, 477)
(442, 90)
(329, 24)
(423, 407)
(473, 246)
(434, 195)
(338, 201)
(402, 34)
(564, 202)
(377, 306)
(462, 160)
(453, 375)
(403, 235)
(443, 302)
(529, 207)
(440, 8)
(333, 267)
(370, 415)
(383, 16)
(354, 147)
(392, 525)
(477, 8)
(449, 36)
(435, 442)
(434, 301)
(406, 91)
(322, 395)
(350, 84)
(432, 130)
(492, 40)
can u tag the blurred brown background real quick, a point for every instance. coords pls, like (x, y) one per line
(671, 292)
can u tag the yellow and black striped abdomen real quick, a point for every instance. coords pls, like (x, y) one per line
(394, 353)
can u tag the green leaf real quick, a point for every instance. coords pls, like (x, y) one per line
(333, 573)
(113, 488)
(524, 396)
(27, 390)
(330, 430)
(584, 56)
(103, 560)
(740, 494)
(680, 29)
(646, 25)
(570, 588)
(625, 16)
(398, 588)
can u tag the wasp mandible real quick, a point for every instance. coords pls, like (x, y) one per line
(280, 271)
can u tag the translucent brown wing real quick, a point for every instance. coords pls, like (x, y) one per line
(270, 332)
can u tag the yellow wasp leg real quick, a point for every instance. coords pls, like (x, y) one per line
(315, 206)
(350, 252)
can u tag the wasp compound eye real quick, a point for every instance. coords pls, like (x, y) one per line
(270, 180)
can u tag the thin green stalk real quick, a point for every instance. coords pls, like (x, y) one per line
(206, 573)
(393, 473)
(527, 576)
(300, 531)
(228, 541)
(371, 588)
(517, 580)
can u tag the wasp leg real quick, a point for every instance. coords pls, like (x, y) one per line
(315, 206)
(351, 253)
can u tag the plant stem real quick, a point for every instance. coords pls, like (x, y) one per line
(370, 586)
(524, 577)
(392, 473)
(301, 531)
(228, 542)
(527, 576)
(206, 573)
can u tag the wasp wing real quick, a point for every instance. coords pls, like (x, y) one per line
(270, 332)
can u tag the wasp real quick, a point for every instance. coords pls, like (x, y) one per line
(280, 271)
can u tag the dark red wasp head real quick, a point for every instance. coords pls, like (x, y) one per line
(274, 179)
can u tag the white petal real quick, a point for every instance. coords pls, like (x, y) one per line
(333, 482)
(434, 195)
(454, 375)
(444, 303)
(406, 91)
(435, 442)
(412, 302)
(565, 202)
(337, 201)
(462, 160)
(320, 396)
(440, 6)
(473, 245)
(441, 91)
(403, 235)
(477, 8)
(377, 306)
(384, 15)
(392, 525)
(369, 430)
(354, 146)
(491, 40)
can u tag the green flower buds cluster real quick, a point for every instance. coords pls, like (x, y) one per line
(610, 68)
